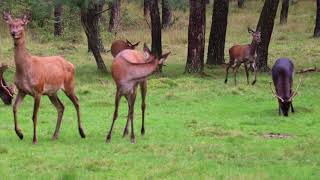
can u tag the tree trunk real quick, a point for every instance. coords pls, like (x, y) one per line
(284, 12)
(114, 15)
(155, 29)
(240, 3)
(57, 18)
(265, 26)
(166, 14)
(90, 19)
(317, 28)
(218, 32)
(196, 37)
(146, 7)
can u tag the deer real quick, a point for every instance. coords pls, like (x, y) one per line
(6, 91)
(282, 76)
(37, 76)
(244, 54)
(120, 45)
(131, 68)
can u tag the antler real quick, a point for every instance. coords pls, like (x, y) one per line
(296, 91)
(275, 94)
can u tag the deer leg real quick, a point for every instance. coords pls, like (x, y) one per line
(292, 109)
(246, 71)
(255, 73)
(143, 87)
(132, 99)
(115, 115)
(37, 99)
(74, 99)
(16, 105)
(227, 70)
(60, 109)
(125, 131)
(235, 71)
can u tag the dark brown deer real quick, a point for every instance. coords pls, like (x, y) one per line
(244, 54)
(120, 45)
(38, 76)
(282, 76)
(6, 92)
(129, 69)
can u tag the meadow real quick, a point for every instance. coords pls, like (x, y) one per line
(196, 127)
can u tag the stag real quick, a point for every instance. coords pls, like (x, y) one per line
(282, 76)
(131, 68)
(6, 92)
(244, 54)
(120, 45)
(37, 76)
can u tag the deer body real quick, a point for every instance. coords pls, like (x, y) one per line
(131, 68)
(38, 76)
(120, 45)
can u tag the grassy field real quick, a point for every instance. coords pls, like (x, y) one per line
(196, 128)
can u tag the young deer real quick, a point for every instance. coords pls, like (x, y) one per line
(37, 76)
(129, 69)
(245, 54)
(120, 45)
(6, 92)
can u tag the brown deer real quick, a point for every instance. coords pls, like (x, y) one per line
(6, 92)
(120, 45)
(244, 54)
(37, 76)
(129, 69)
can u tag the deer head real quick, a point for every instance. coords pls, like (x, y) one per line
(132, 46)
(16, 26)
(6, 92)
(150, 57)
(256, 35)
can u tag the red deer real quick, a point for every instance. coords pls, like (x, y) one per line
(6, 92)
(131, 68)
(37, 76)
(120, 45)
(282, 76)
(244, 54)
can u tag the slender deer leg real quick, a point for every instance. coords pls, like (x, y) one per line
(60, 108)
(143, 87)
(227, 70)
(37, 99)
(280, 111)
(292, 109)
(125, 130)
(16, 105)
(246, 71)
(115, 115)
(75, 101)
(132, 99)
(255, 73)
(235, 71)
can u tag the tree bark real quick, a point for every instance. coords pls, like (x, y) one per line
(265, 26)
(241, 3)
(114, 15)
(166, 14)
(57, 18)
(284, 12)
(317, 27)
(155, 29)
(90, 19)
(218, 32)
(196, 37)
(146, 7)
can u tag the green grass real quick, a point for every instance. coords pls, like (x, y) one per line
(196, 128)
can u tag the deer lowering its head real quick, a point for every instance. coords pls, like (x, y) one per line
(37, 76)
(120, 45)
(6, 92)
(244, 54)
(131, 68)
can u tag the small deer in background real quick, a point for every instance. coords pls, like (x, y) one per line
(38, 76)
(131, 68)
(120, 45)
(282, 76)
(244, 54)
(6, 92)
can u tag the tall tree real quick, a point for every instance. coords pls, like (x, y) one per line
(265, 26)
(196, 36)
(166, 14)
(115, 15)
(240, 3)
(90, 19)
(218, 32)
(284, 12)
(317, 27)
(57, 18)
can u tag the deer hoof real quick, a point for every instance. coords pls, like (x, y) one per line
(254, 82)
(19, 133)
(82, 134)
(142, 132)
(125, 133)
(225, 81)
(133, 140)
(108, 139)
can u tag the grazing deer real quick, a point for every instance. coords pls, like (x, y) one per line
(6, 92)
(37, 76)
(131, 68)
(120, 45)
(282, 76)
(244, 54)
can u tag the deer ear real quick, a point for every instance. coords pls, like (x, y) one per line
(164, 57)
(250, 30)
(135, 45)
(128, 42)
(6, 15)
(25, 19)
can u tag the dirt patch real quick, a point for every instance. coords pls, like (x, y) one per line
(276, 136)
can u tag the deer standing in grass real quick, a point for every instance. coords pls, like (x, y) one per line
(244, 54)
(131, 68)
(120, 45)
(38, 76)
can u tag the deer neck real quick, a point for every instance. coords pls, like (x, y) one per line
(144, 70)
(21, 56)
(253, 48)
